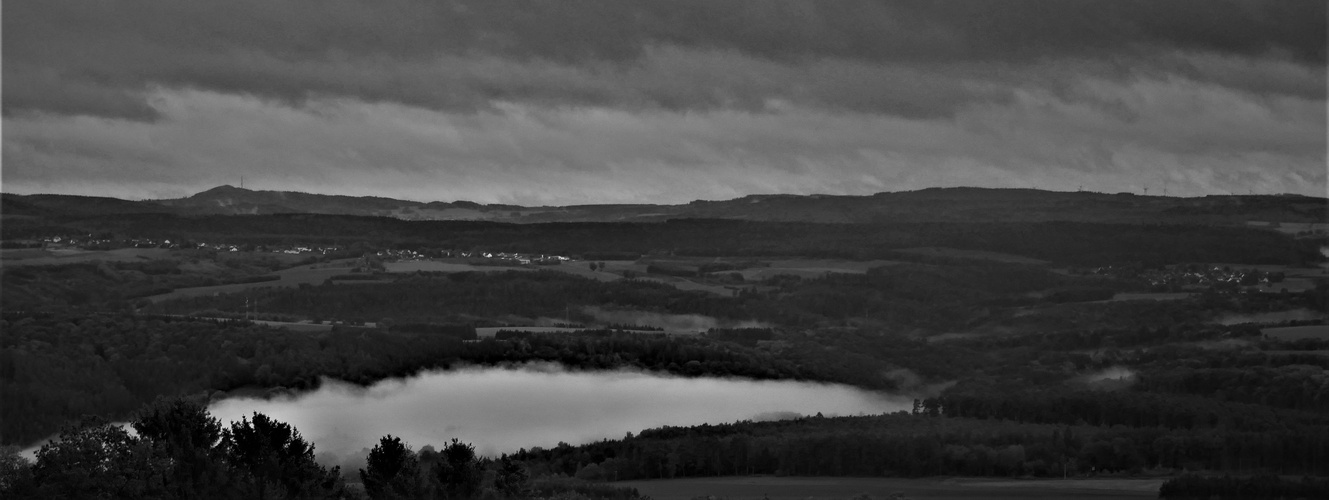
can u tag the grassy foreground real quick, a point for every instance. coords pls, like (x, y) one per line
(776, 488)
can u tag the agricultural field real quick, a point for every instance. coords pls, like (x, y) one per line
(1293, 228)
(778, 488)
(809, 268)
(1150, 296)
(956, 253)
(444, 266)
(489, 332)
(1297, 332)
(40, 257)
(292, 277)
(1301, 314)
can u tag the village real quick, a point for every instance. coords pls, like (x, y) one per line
(88, 242)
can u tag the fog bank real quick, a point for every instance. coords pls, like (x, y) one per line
(502, 410)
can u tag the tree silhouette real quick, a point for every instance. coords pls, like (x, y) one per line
(278, 460)
(458, 473)
(392, 470)
(97, 459)
(190, 439)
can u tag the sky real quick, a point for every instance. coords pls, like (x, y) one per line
(615, 101)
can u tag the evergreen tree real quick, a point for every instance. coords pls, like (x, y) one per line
(391, 470)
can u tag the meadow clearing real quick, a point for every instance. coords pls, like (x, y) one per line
(781, 488)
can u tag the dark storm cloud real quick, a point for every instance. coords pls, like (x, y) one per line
(909, 58)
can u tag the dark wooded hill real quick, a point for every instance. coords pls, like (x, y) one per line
(928, 205)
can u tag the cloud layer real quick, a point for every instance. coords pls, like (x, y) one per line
(584, 102)
(503, 410)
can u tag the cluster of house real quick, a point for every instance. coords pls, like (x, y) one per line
(1194, 277)
(518, 257)
(88, 242)
(513, 257)
(91, 243)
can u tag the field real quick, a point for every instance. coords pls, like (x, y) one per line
(1292, 227)
(1297, 332)
(1150, 296)
(488, 332)
(776, 488)
(445, 266)
(1301, 314)
(38, 257)
(289, 277)
(614, 272)
(973, 254)
(297, 327)
(809, 268)
(613, 269)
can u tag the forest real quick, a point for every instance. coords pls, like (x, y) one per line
(1014, 341)
(179, 451)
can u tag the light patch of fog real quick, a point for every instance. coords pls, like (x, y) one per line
(669, 322)
(1116, 377)
(907, 381)
(502, 410)
(1112, 373)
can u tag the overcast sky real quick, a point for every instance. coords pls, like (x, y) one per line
(564, 102)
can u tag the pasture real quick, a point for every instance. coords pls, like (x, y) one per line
(612, 271)
(957, 253)
(1293, 228)
(808, 268)
(289, 278)
(1275, 317)
(1297, 332)
(39, 257)
(780, 488)
(490, 331)
(445, 266)
(1120, 297)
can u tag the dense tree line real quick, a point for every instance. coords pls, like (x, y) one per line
(915, 445)
(1265, 487)
(54, 367)
(1069, 405)
(1295, 385)
(179, 451)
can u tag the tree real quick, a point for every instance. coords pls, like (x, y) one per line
(458, 473)
(510, 478)
(189, 437)
(591, 472)
(97, 459)
(15, 473)
(391, 470)
(278, 460)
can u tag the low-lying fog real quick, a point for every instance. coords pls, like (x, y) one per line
(501, 410)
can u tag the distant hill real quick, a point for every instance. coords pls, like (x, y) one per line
(927, 205)
(39, 205)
